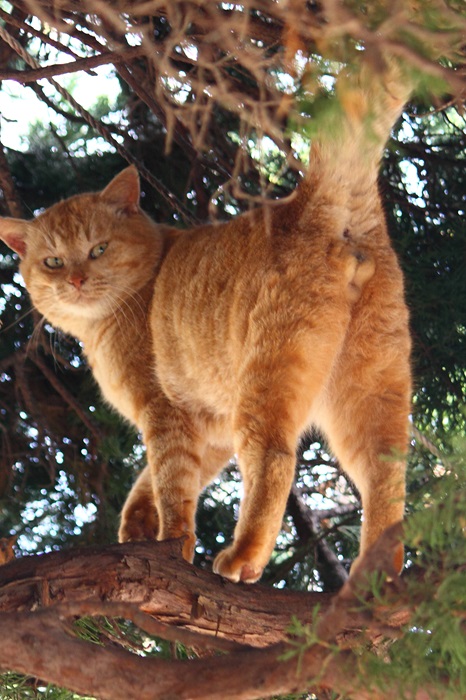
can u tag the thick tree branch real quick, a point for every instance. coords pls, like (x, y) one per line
(145, 582)
(37, 644)
(154, 576)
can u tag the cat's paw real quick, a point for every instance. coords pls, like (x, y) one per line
(236, 567)
(138, 524)
(393, 565)
(188, 546)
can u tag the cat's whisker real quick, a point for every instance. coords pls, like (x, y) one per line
(116, 307)
(119, 303)
(131, 294)
(53, 344)
(35, 335)
(119, 321)
(11, 325)
(124, 296)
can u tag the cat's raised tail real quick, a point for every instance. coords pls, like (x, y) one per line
(370, 105)
(342, 178)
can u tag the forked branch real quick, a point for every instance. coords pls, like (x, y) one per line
(149, 584)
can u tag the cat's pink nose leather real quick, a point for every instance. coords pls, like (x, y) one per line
(77, 280)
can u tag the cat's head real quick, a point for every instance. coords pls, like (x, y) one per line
(85, 256)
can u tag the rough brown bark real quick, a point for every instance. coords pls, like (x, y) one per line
(37, 644)
(151, 585)
(155, 577)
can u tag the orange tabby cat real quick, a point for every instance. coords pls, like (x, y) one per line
(235, 337)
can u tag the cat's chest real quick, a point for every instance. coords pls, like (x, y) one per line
(118, 370)
(113, 386)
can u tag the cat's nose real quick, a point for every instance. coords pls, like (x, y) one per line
(77, 280)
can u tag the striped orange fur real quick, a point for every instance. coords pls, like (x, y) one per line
(235, 337)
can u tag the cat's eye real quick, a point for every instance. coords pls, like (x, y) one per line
(98, 250)
(53, 263)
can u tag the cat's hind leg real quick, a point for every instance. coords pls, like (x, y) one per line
(273, 409)
(369, 434)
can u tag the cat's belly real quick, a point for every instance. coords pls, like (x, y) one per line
(210, 390)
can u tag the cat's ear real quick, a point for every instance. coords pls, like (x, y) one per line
(123, 191)
(13, 233)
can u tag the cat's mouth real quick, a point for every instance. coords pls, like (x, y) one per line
(92, 301)
(79, 298)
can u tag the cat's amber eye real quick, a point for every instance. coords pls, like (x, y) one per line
(98, 250)
(53, 263)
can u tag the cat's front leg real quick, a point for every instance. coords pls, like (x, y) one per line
(174, 450)
(139, 519)
(267, 427)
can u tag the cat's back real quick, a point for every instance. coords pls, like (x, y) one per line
(228, 291)
(214, 275)
(233, 293)
(207, 282)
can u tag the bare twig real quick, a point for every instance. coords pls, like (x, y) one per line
(68, 397)
(79, 64)
(308, 525)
